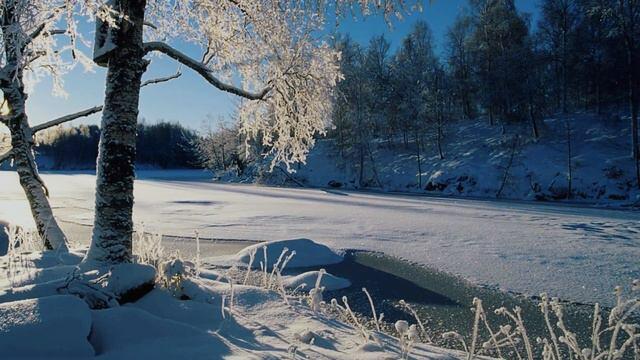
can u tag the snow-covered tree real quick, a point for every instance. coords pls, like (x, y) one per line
(414, 70)
(460, 61)
(626, 25)
(222, 147)
(499, 45)
(557, 27)
(266, 52)
(30, 49)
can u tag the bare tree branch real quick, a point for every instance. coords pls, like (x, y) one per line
(161, 79)
(95, 109)
(39, 31)
(34, 34)
(66, 118)
(151, 25)
(56, 32)
(203, 71)
(6, 156)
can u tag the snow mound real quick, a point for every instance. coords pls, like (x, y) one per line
(129, 282)
(53, 326)
(330, 282)
(308, 253)
(130, 333)
(202, 315)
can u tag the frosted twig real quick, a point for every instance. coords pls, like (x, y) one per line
(373, 308)
(252, 256)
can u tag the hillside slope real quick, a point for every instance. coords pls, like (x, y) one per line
(481, 161)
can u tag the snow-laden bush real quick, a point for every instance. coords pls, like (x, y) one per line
(619, 338)
(19, 242)
(147, 248)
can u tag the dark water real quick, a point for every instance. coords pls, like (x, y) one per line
(443, 301)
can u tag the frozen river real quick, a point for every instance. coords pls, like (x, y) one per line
(576, 253)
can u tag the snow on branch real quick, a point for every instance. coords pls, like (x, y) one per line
(162, 79)
(66, 118)
(203, 71)
(40, 31)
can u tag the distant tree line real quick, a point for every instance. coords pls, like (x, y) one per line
(582, 55)
(162, 145)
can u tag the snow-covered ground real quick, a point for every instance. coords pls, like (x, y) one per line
(42, 315)
(577, 253)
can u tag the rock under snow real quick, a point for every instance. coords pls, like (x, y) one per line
(308, 253)
(52, 327)
(330, 282)
(130, 282)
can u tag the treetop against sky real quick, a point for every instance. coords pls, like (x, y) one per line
(167, 102)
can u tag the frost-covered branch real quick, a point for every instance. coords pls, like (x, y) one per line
(95, 109)
(66, 118)
(161, 79)
(40, 31)
(203, 70)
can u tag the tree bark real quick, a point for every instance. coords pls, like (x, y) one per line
(532, 118)
(35, 191)
(439, 138)
(12, 86)
(111, 241)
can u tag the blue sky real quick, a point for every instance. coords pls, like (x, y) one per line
(193, 102)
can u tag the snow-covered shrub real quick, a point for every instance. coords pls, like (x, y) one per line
(147, 248)
(413, 312)
(619, 339)
(347, 310)
(408, 336)
(315, 294)
(376, 320)
(252, 257)
(19, 242)
(172, 273)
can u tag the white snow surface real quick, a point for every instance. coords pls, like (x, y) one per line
(257, 325)
(49, 327)
(576, 253)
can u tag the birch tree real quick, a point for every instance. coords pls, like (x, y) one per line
(265, 52)
(30, 50)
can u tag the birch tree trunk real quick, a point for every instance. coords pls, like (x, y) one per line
(11, 84)
(113, 224)
(24, 162)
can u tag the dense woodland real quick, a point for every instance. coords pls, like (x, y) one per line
(162, 145)
(580, 55)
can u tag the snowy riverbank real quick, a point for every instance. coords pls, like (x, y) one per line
(482, 161)
(185, 316)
